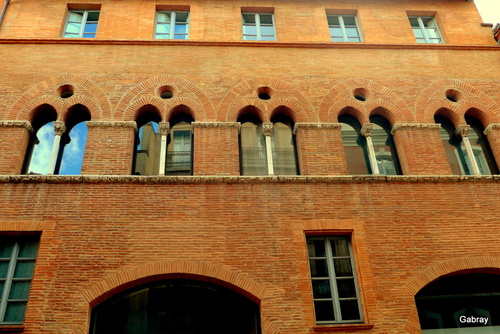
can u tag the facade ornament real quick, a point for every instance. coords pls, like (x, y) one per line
(164, 128)
(462, 130)
(17, 124)
(236, 125)
(367, 129)
(419, 126)
(59, 128)
(316, 126)
(267, 129)
(109, 124)
(491, 127)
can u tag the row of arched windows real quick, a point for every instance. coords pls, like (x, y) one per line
(265, 148)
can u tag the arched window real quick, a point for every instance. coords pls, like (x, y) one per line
(384, 147)
(56, 147)
(147, 143)
(41, 141)
(253, 156)
(464, 303)
(456, 153)
(177, 306)
(480, 147)
(179, 159)
(283, 146)
(354, 146)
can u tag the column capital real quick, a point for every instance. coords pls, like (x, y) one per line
(164, 128)
(59, 128)
(491, 127)
(267, 129)
(462, 130)
(367, 129)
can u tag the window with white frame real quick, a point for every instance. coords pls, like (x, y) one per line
(172, 25)
(425, 29)
(258, 27)
(17, 263)
(82, 24)
(344, 28)
(334, 284)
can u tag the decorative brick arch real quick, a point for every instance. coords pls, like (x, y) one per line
(47, 92)
(377, 96)
(188, 94)
(171, 104)
(121, 281)
(433, 98)
(281, 94)
(438, 270)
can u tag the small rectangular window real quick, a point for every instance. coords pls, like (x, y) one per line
(333, 276)
(425, 29)
(172, 25)
(258, 27)
(82, 24)
(17, 263)
(344, 28)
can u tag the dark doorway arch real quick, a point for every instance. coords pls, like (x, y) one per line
(176, 306)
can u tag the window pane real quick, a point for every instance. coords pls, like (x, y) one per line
(163, 28)
(316, 248)
(4, 266)
(418, 33)
(354, 39)
(266, 19)
(337, 39)
(336, 32)
(1, 289)
(181, 16)
(333, 20)
(351, 32)
(321, 289)
(180, 29)
(319, 268)
(15, 312)
(6, 248)
(24, 269)
(349, 309)
(93, 16)
(180, 37)
(267, 30)
(428, 22)
(90, 28)
(340, 247)
(28, 249)
(267, 38)
(73, 28)
(414, 22)
(19, 290)
(324, 311)
(432, 33)
(342, 267)
(346, 288)
(75, 17)
(163, 17)
(249, 30)
(349, 21)
(249, 18)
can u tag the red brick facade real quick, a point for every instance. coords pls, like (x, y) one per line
(105, 231)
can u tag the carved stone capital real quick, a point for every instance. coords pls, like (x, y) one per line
(419, 126)
(59, 128)
(207, 125)
(316, 126)
(103, 124)
(267, 129)
(164, 128)
(367, 129)
(462, 130)
(491, 127)
(17, 124)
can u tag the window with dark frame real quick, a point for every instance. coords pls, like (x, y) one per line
(334, 283)
(17, 263)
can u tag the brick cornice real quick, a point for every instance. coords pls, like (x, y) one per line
(316, 126)
(418, 126)
(325, 45)
(117, 179)
(17, 124)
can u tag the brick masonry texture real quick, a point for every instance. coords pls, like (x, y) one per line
(100, 237)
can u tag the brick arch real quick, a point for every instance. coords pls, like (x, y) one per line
(86, 102)
(246, 90)
(97, 101)
(379, 96)
(173, 103)
(30, 109)
(255, 110)
(339, 107)
(203, 103)
(437, 271)
(136, 105)
(433, 97)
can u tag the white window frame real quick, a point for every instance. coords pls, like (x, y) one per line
(83, 23)
(423, 29)
(173, 23)
(257, 26)
(333, 280)
(9, 279)
(342, 27)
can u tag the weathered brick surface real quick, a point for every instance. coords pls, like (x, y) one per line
(100, 237)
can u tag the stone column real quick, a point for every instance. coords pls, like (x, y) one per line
(164, 129)
(366, 130)
(267, 131)
(463, 131)
(59, 130)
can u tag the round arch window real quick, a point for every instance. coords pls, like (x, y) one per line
(179, 306)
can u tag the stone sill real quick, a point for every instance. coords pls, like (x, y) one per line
(346, 327)
(246, 179)
(11, 328)
(313, 45)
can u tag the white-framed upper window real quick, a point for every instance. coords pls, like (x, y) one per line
(172, 25)
(334, 283)
(425, 29)
(344, 28)
(258, 27)
(17, 263)
(81, 24)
